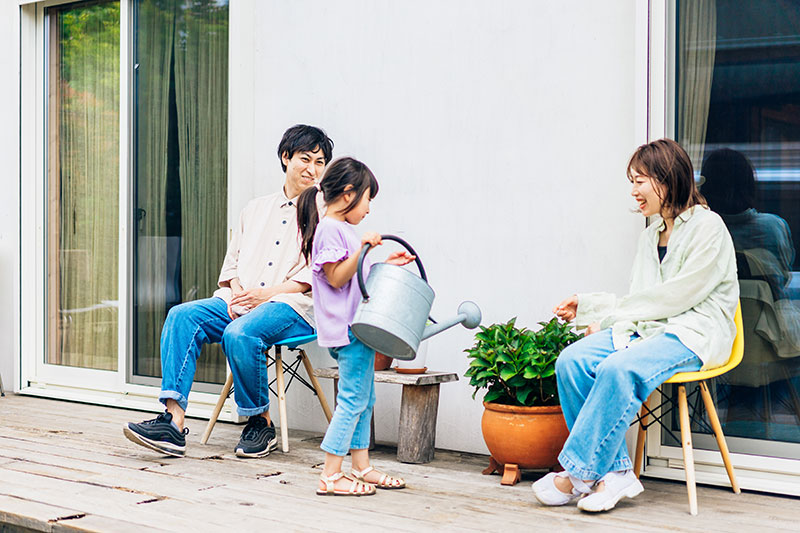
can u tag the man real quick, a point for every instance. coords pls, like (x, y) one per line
(263, 297)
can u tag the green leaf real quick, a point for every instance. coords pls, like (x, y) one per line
(492, 395)
(507, 373)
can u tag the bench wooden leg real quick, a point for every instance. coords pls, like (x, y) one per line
(281, 399)
(226, 391)
(417, 433)
(688, 454)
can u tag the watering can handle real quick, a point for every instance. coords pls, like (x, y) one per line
(360, 273)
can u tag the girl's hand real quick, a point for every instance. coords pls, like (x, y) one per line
(567, 309)
(371, 238)
(400, 258)
(594, 327)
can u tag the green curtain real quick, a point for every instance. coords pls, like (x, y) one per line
(182, 110)
(83, 174)
(153, 72)
(201, 88)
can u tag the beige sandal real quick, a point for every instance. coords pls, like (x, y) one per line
(384, 482)
(357, 487)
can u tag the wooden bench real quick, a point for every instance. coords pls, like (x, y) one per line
(418, 409)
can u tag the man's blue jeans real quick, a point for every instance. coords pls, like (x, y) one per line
(349, 427)
(244, 341)
(601, 391)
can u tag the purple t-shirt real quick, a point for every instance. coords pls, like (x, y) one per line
(334, 309)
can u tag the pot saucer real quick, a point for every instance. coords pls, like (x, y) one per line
(411, 370)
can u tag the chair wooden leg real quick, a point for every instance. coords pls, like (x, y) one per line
(638, 460)
(686, 443)
(281, 399)
(723, 446)
(317, 387)
(226, 390)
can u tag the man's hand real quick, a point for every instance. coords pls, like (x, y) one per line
(567, 309)
(236, 288)
(252, 298)
(400, 258)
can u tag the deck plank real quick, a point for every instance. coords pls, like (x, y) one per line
(75, 461)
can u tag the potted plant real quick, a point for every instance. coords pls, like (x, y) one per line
(522, 423)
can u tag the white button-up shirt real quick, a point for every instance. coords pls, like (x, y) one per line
(265, 251)
(692, 293)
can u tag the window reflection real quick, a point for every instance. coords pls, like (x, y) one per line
(738, 112)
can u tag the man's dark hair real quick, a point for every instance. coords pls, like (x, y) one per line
(302, 138)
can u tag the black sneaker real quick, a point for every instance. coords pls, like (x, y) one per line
(159, 434)
(258, 438)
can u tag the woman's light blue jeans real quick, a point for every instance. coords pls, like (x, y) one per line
(601, 390)
(245, 340)
(350, 425)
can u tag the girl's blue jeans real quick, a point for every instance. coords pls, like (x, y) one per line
(601, 390)
(349, 427)
(245, 340)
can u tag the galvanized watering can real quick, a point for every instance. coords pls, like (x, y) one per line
(391, 319)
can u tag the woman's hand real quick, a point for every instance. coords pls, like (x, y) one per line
(567, 309)
(594, 327)
(400, 258)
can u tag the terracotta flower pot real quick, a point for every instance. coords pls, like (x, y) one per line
(382, 362)
(522, 437)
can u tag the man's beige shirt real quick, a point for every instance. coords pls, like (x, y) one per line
(265, 251)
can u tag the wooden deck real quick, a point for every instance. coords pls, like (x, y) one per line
(66, 466)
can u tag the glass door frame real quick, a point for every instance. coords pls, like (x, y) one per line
(756, 472)
(104, 387)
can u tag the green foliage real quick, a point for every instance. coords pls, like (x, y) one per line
(518, 366)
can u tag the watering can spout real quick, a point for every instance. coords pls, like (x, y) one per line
(469, 314)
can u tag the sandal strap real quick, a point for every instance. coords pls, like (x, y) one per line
(330, 480)
(360, 474)
(384, 481)
(580, 485)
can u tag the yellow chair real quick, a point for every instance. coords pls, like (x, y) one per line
(681, 379)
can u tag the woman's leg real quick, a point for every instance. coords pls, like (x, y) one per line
(623, 380)
(575, 371)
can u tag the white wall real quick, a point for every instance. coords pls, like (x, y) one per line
(499, 132)
(9, 184)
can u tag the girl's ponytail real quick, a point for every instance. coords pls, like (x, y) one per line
(307, 219)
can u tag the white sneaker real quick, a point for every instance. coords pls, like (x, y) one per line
(547, 493)
(618, 485)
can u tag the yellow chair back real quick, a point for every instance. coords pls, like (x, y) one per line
(737, 352)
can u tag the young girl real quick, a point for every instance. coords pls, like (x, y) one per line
(332, 249)
(677, 317)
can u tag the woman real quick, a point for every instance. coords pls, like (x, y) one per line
(677, 317)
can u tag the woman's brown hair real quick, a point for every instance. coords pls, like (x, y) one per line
(666, 162)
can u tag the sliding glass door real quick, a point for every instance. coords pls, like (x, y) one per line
(738, 114)
(134, 182)
(180, 178)
(82, 257)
